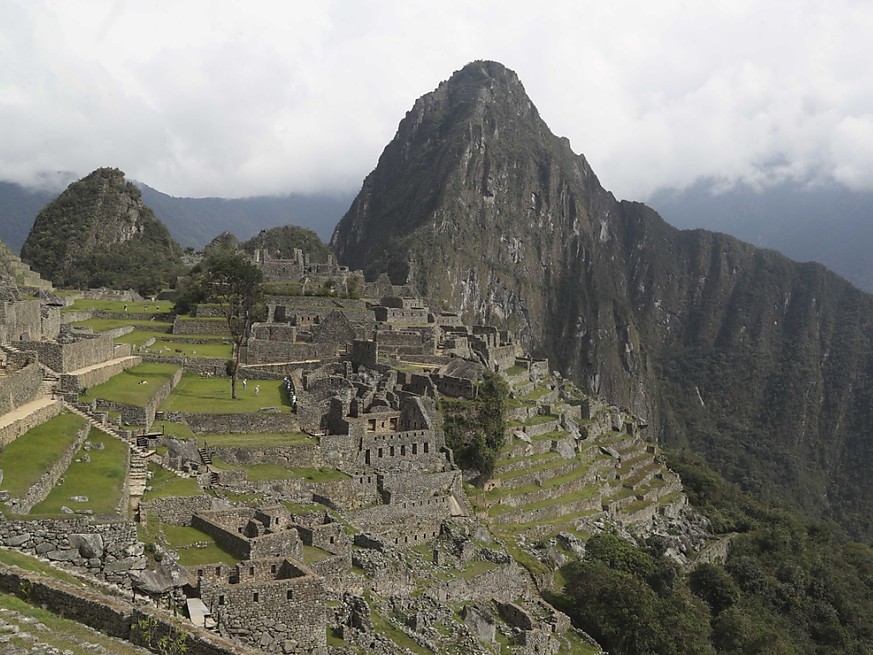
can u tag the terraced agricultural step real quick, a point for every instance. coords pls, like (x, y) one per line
(549, 509)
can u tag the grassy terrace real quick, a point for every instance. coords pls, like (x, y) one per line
(139, 337)
(135, 307)
(127, 387)
(104, 324)
(194, 547)
(262, 472)
(255, 440)
(580, 471)
(170, 348)
(567, 499)
(101, 479)
(538, 457)
(24, 460)
(212, 396)
(22, 561)
(539, 419)
(63, 634)
(165, 483)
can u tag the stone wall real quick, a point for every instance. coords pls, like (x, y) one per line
(203, 366)
(290, 455)
(262, 351)
(280, 543)
(107, 550)
(112, 616)
(364, 353)
(271, 615)
(19, 387)
(95, 376)
(20, 320)
(178, 510)
(67, 357)
(265, 422)
(506, 582)
(185, 325)
(456, 387)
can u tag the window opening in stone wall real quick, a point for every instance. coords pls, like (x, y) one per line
(272, 568)
(251, 570)
(221, 600)
(426, 447)
(255, 597)
(289, 595)
(415, 449)
(217, 570)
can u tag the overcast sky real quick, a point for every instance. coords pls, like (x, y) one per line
(225, 98)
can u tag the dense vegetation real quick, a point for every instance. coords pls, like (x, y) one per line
(475, 429)
(787, 586)
(99, 233)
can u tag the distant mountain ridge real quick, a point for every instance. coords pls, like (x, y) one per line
(193, 222)
(762, 364)
(831, 225)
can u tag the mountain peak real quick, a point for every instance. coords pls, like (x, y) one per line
(99, 232)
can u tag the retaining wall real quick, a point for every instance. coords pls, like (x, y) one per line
(93, 377)
(12, 431)
(112, 616)
(19, 387)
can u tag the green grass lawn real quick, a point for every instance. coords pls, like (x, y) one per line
(104, 324)
(24, 460)
(139, 337)
(101, 479)
(255, 440)
(134, 307)
(126, 387)
(313, 554)
(172, 349)
(164, 483)
(182, 540)
(212, 396)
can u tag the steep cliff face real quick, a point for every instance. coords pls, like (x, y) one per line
(761, 363)
(98, 232)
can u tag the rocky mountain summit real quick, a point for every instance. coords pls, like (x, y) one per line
(99, 232)
(762, 364)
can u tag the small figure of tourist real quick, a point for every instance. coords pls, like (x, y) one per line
(257, 389)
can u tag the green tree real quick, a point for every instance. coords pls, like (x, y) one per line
(233, 282)
(714, 585)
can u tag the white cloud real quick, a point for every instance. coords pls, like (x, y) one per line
(232, 98)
